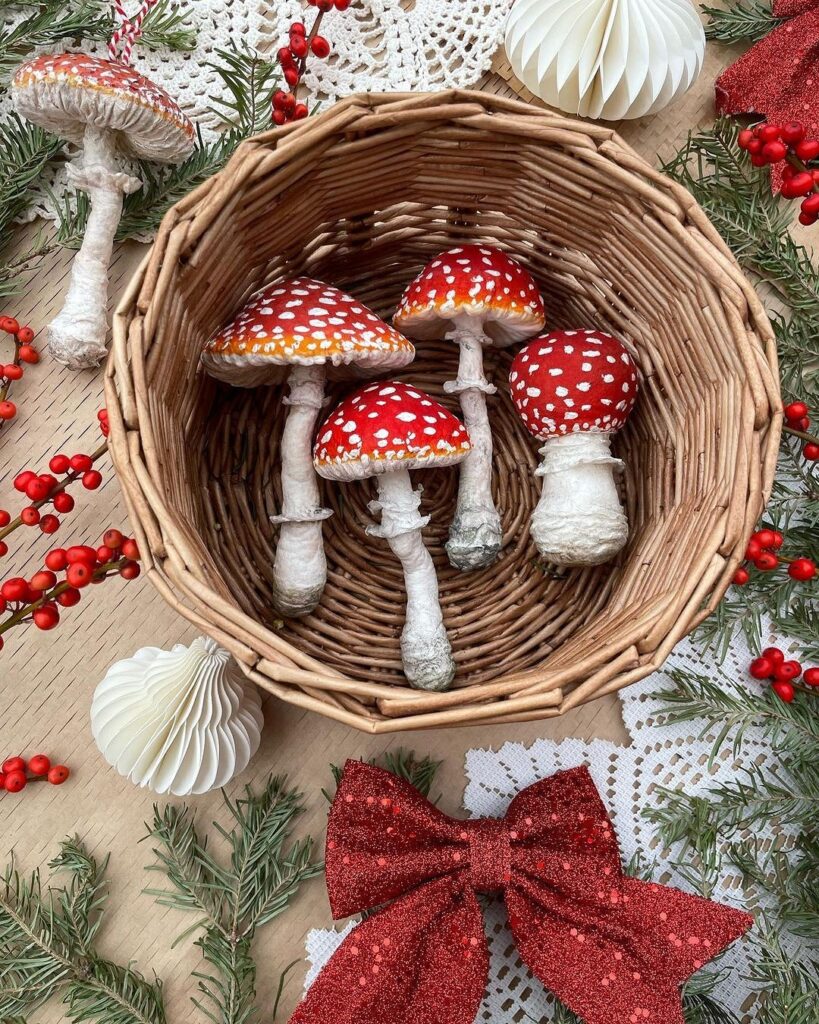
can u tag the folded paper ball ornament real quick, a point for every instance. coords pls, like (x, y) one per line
(182, 721)
(607, 59)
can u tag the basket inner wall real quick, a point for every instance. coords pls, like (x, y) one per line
(601, 258)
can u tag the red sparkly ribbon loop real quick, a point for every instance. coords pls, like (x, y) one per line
(614, 949)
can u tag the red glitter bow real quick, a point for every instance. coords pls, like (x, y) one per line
(779, 75)
(612, 948)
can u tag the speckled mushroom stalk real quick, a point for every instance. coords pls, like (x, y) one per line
(385, 430)
(573, 390)
(476, 296)
(302, 331)
(300, 567)
(112, 112)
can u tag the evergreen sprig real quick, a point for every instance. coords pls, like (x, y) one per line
(755, 223)
(418, 772)
(740, 21)
(47, 945)
(721, 826)
(58, 22)
(232, 900)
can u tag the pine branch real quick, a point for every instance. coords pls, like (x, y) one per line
(249, 82)
(25, 151)
(266, 869)
(755, 223)
(418, 772)
(162, 187)
(741, 21)
(46, 939)
(55, 23)
(789, 986)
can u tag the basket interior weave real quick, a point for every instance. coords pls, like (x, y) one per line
(365, 208)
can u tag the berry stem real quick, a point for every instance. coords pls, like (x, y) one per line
(812, 438)
(6, 388)
(302, 64)
(20, 616)
(799, 165)
(58, 488)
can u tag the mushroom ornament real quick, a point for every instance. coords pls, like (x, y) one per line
(573, 390)
(113, 113)
(302, 331)
(479, 296)
(385, 430)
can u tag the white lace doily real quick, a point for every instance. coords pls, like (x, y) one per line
(669, 756)
(378, 46)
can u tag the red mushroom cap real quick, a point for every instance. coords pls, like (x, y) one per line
(475, 280)
(306, 322)
(384, 426)
(66, 91)
(570, 381)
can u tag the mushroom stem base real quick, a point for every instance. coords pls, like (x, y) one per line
(77, 335)
(425, 649)
(579, 519)
(476, 535)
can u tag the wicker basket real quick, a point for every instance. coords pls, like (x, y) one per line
(362, 196)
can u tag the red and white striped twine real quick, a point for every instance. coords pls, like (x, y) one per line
(129, 30)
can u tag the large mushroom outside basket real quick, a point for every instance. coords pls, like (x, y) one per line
(115, 114)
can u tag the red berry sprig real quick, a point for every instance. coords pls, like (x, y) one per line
(763, 552)
(45, 488)
(783, 673)
(40, 599)
(10, 373)
(15, 773)
(770, 144)
(797, 423)
(293, 60)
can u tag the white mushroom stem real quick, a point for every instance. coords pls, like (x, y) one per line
(78, 333)
(300, 568)
(579, 519)
(476, 536)
(425, 647)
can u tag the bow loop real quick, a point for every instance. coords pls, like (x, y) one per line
(383, 837)
(611, 947)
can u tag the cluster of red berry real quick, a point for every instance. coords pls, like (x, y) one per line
(39, 599)
(16, 773)
(797, 422)
(772, 144)
(42, 488)
(24, 352)
(293, 60)
(783, 673)
(761, 553)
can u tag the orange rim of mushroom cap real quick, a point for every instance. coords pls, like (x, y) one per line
(307, 321)
(476, 280)
(384, 424)
(97, 75)
(566, 382)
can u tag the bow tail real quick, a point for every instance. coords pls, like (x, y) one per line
(624, 958)
(423, 958)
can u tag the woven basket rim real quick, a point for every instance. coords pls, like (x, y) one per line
(278, 666)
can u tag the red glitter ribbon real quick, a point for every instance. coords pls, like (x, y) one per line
(612, 948)
(779, 76)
